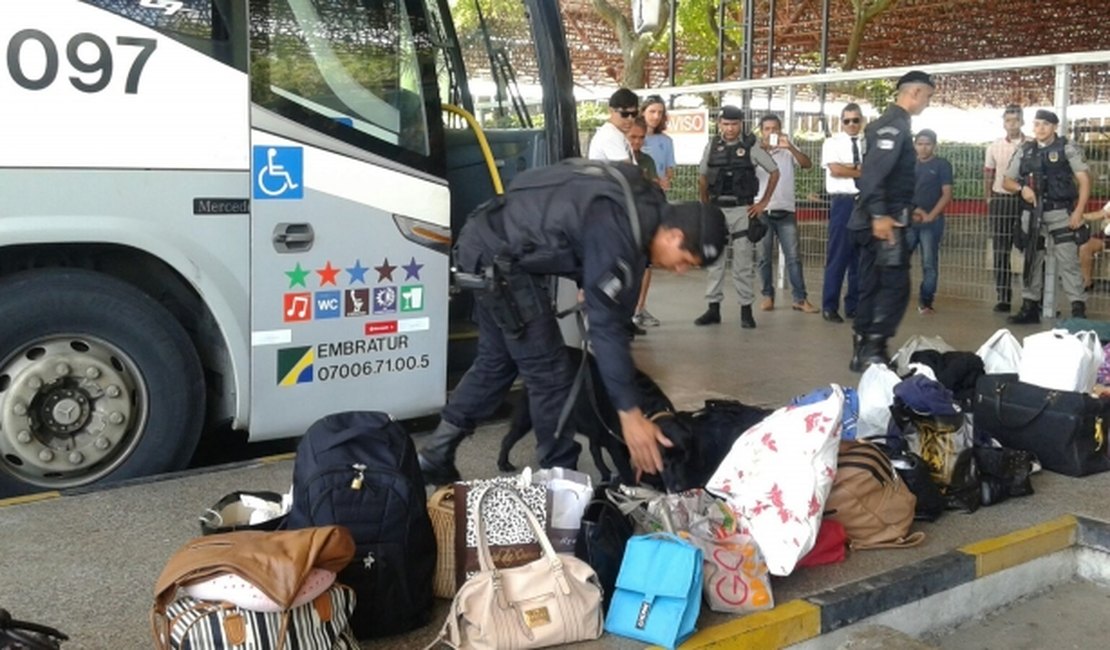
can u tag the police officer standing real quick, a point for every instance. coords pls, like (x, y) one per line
(885, 208)
(596, 223)
(1051, 170)
(727, 179)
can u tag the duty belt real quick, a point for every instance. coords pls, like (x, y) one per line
(731, 201)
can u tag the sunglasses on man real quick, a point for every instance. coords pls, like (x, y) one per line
(851, 120)
(628, 113)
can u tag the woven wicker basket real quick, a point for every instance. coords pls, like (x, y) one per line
(441, 510)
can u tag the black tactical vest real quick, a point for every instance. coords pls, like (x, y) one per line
(1053, 172)
(731, 170)
(538, 224)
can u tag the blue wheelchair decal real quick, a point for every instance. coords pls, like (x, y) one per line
(278, 172)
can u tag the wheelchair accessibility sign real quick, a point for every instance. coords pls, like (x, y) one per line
(278, 172)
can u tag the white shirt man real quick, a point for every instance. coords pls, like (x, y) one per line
(610, 142)
(841, 156)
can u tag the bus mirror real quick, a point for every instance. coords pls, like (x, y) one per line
(645, 15)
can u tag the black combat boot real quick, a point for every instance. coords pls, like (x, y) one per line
(872, 349)
(856, 364)
(746, 320)
(1078, 309)
(712, 316)
(437, 456)
(1029, 314)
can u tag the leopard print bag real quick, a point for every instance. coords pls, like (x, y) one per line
(512, 542)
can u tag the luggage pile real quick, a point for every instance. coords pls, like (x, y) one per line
(547, 558)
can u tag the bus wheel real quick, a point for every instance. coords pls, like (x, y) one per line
(98, 382)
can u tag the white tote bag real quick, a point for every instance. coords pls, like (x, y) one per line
(777, 476)
(876, 394)
(1060, 360)
(1001, 354)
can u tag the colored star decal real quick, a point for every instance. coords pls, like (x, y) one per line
(385, 271)
(297, 276)
(327, 274)
(357, 272)
(412, 269)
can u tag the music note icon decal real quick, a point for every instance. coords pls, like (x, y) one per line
(297, 307)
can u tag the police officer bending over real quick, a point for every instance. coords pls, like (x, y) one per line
(885, 208)
(594, 223)
(1048, 170)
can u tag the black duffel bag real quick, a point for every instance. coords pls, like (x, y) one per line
(1066, 430)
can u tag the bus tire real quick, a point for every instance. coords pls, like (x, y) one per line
(98, 382)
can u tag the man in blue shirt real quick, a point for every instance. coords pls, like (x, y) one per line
(932, 194)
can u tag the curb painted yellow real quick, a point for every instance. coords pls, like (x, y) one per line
(999, 553)
(786, 624)
(29, 498)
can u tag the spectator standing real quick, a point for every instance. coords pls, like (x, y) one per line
(842, 156)
(1051, 170)
(636, 135)
(659, 148)
(886, 190)
(658, 144)
(726, 178)
(932, 194)
(782, 222)
(1003, 207)
(610, 142)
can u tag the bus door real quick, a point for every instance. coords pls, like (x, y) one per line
(350, 218)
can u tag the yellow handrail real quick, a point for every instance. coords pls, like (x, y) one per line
(487, 153)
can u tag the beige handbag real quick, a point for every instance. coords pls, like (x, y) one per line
(554, 600)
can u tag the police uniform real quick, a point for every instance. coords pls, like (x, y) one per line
(1053, 168)
(886, 188)
(570, 220)
(729, 169)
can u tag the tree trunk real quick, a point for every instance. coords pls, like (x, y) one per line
(865, 12)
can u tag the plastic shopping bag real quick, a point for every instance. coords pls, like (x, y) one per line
(876, 394)
(1060, 360)
(1001, 354)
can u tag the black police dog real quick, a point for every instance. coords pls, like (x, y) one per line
(594, 417)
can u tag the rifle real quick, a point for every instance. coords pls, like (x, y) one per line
(1032, 239)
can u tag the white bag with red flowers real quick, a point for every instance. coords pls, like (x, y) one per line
(777, 476)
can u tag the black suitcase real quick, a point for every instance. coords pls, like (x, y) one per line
(1066, 430)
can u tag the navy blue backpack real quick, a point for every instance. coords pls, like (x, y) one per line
(358, 469)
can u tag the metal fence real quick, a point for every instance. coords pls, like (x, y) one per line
(966, 113)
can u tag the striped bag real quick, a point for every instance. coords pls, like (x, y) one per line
(322, 624)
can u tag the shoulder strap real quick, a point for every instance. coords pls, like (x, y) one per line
(599, 168)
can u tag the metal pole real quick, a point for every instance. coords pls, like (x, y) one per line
(749, 46)
(721, 40)
(771, 41)
(671, 65)
(824, 59)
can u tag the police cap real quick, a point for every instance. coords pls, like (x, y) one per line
(703, 227)
(916, 77)
(1047, 116)
(730, 112)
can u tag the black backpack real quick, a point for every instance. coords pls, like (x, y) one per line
(359, 470)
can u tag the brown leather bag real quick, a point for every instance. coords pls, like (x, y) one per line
(276, 562)
(870, 500)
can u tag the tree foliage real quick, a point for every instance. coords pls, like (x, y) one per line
(864, 12)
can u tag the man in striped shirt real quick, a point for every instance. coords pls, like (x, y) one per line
(1003, 208)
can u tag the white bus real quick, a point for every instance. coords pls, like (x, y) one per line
(231, 211)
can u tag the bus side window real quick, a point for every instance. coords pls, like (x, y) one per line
(349, 68)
